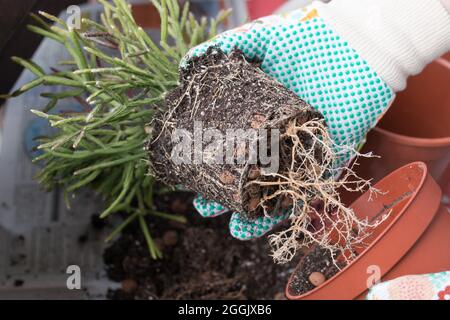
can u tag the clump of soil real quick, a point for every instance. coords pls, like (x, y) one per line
(204, 262)
(316, 262)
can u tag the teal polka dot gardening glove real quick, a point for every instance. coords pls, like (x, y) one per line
(303, 53)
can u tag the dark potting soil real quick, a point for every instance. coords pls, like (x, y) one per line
(201, 260)
(317, 260)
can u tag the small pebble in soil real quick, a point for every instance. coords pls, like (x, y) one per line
(159, 243)
(254, 173)
(286, 202)
(314, 268)
(177, 225)
(129, 285)
(226, 177)
(170, 238)
(280, 296)
(257, 121)
(178, 206)
(253, 204)
(316, 278)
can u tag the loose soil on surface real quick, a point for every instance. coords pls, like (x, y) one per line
(201, 260)
(318, 260)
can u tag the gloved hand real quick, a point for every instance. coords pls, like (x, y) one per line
(434, 286)
(305, 54)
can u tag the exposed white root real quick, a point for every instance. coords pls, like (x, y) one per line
(318, 214)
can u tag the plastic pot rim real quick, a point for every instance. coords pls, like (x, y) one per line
(413, 141)
(387, 228)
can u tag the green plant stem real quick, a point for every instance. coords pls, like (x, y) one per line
(101, 147)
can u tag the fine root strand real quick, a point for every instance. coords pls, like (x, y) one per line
(310, 181)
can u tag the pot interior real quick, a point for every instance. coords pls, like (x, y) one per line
(395, 191)
(423, 109)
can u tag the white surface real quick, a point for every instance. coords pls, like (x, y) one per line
(293, 5)
(38, 234)
(397, 38)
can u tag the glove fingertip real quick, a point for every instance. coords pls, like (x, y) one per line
(245, 229)
(208, 209)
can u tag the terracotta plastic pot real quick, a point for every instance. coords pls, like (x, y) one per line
(413, 240)
(261, 8)
(416, 128)
(146, 15)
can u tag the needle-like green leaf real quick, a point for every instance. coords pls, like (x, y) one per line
(119, 76)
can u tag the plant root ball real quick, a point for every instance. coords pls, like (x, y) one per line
(226, 93)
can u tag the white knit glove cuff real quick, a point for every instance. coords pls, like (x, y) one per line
(398, 38)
